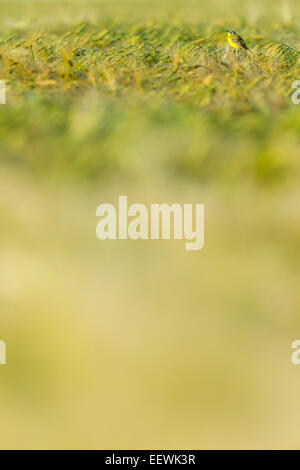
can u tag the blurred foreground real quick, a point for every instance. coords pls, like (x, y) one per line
(143, 345)
(124, 344)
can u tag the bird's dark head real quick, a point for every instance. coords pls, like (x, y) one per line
(231, 32)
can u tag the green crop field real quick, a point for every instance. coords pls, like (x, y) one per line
(83, 87)
(139, 344)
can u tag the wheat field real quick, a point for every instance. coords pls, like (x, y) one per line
(134, 344)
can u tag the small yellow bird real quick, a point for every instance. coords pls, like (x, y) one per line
(237, 42)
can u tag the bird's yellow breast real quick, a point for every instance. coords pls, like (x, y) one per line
(232, 43)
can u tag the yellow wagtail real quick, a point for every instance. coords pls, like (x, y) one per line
(237, 42)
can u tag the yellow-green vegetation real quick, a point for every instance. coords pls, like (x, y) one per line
(140, 344)
(97, 98)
